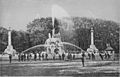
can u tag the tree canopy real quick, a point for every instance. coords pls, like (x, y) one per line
(37, 32)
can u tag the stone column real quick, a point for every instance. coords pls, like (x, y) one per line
(9, 37)
(53, 32)
(9, 49)
(92, 37)
(92, 46)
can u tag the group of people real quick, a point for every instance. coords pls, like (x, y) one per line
(63, 56)
(28, 57)
(39, 56)
(24, 57)
(103, 55)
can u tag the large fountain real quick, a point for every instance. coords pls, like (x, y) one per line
(53, 45)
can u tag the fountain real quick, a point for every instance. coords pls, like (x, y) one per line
(53, 44)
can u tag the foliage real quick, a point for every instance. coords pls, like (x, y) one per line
(37, 32)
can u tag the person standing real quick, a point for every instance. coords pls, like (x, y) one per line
(83, 55)
(93, 56)
(108, 54)
(105, 55)
(101, 56)
(39, 56)
(24, 55)
(28, 57)
(70, 56)
(54, 57)
(19, 57)
(59, 57)
(10, 58)
(46, 56)
(42, 56)
(35, 56)
(63, 56)
(89, 55)
(73, 56)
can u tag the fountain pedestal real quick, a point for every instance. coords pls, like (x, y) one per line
(93, 47)
(54, 45)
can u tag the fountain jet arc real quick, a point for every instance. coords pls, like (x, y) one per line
(42, 45)
(67, 43)
(53, 19)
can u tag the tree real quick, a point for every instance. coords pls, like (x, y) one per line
(3, 39)
(37, 32)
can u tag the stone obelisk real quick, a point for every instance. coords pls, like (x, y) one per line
(9, 49)
(92, 46)
(9, 37)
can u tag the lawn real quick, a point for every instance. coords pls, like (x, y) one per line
(61, 68)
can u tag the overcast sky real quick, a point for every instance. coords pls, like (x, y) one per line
(18, 13)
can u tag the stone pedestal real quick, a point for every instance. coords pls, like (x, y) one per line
(94, 48)
(9, 50)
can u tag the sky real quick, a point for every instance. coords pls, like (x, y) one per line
(18, 13)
